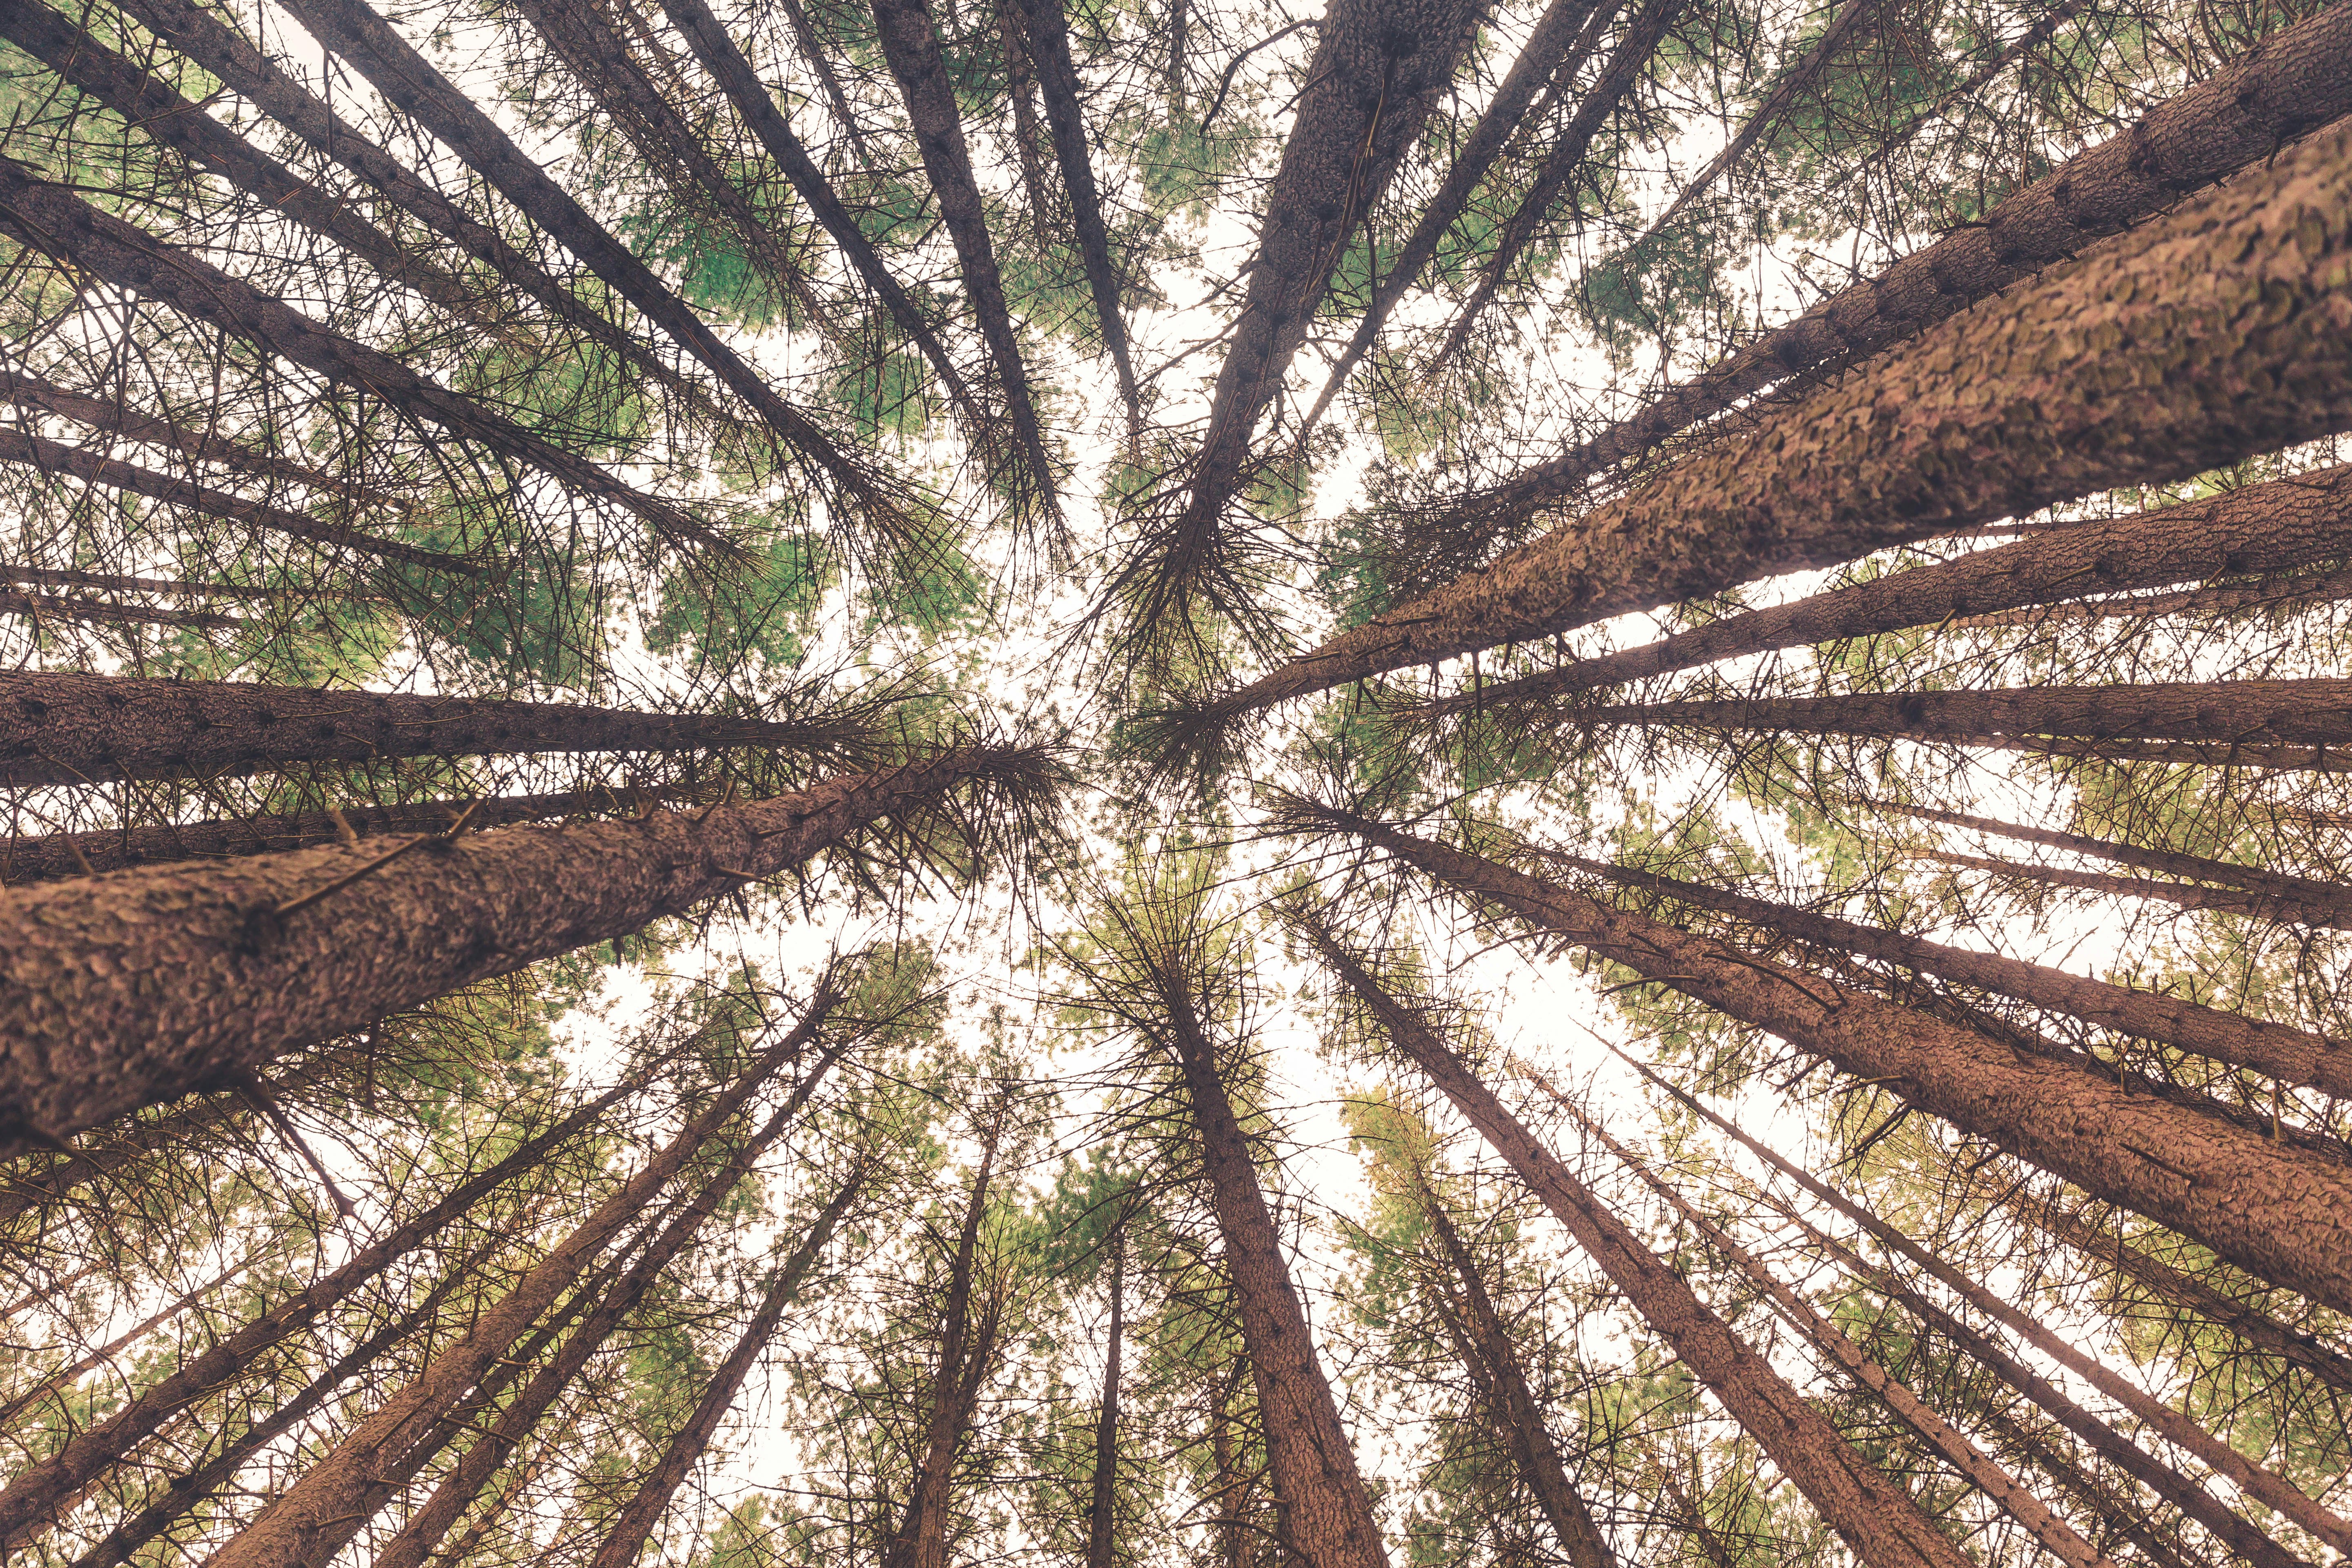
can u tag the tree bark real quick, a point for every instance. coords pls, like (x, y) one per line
(1101, 1540)
(1873, 1516)
(2096, 1499)
(2213, 333)
(2267, 527)
(2108, 884)
(111, 583)
(2278, 1051)
(2279, 1211)
(2267, 596)
(53, 220)
(634, 1525)
(52, 607)
(1326, 1514)
(331, 1489)
(272, 953)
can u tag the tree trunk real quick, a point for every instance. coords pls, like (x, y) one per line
(2101, 1501)
(1873, 1516)
(2277, 1210)
(1101, 1541)
(1021, 83)
(911, 46)
(1516, 1417)
(331, 1492)
(2227, 305)
(2290, 1055)
(1326, 1517)
(2282, 88)
(273, 952)
(634, 1525)
(2272, 595)
(40, 606)
(53, 220)
(61, 1381)
(1694, 1520)
(110, 582)
(53, 457)
(36, 1495)
(2108, 884)
(2260, 528)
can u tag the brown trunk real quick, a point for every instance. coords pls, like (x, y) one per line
(1101, 1542)
(625, 1543)
(54, 457)
(33, 1498)
(273, 952)
(2269, 595)
(58, 856)
(2094, 1497)
(1995, 413)
(53, 220)
(2260, 528)
(2280, 89)
(2108, 884)
(63, 728)
(1875, 1518)
(2278, 1210)
(2280, 896)
(39, 607)
(1326, 1517)
(911, 46)
(110, 582)
(2290, 1055)
(1231, 1494)
(1020, 88)
(2322, 1359)
(331, 1491)
(1516, 1417)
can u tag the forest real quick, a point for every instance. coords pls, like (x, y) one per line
(1175, 784)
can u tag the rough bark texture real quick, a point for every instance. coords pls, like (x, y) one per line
(42, 1491)
(56, 221)
(91, 468)
(326, 1496)
(63, 728)
(2279, 1050)
(1875, 1518)
(2217, 331)
(2279, 1210)
(57, 607)
(634, 1525)
(1102, 1533)
(274, 952)
(2267, 595)
(2108, 884)
(2281, 88)
(1327, 1516)
(2262, 528)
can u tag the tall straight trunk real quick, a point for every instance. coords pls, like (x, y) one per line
(1875, 1518)
(1232, 1495)
(63, 728)
(2267, 527)
(1048, 37)
(2302, 899)
(1326, 1514)
(2292, 1345)
(625, 1543)
(1021, 84)
(2226, 308)
(2270, 596)
(57, 855)
(416, 1539)
(61, 1381)
(34, 1497)
(272, 953)
(1563, 160)
(2092, 1496)
(1513, 1411)
(352, 30)
(820, 60)
(911, 46)
(1556, 50)
(967, 1355)
(2290, 1055)
(1101, 1540)
(2282, 88)
(2109, 885)
(91, 468)
(2279, 1211)
(2052, 1534)
(115, 583)
(53, 220)
(330, 1491)
(39, 607)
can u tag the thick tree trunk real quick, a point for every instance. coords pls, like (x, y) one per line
(2282, 88)
(1516, 1417)
(2231, 314)
(54, 457)
(2260, 528)
(330, 1493)
(272, 953)
(1327, 1516)
(33, 1500)
(911, 46)
(634, 1525)
(1873, 1516)
(1101, 1540)
(37, 608)
(53, 220)
(2279, 1050)
(2277, 1210)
